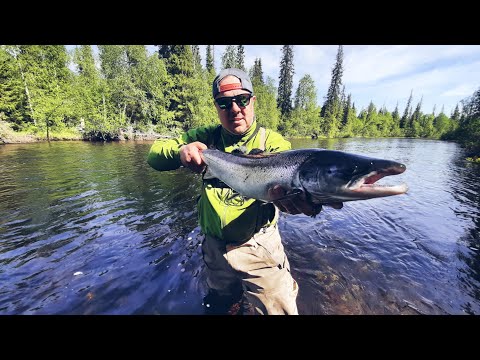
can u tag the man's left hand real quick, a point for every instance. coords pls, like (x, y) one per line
(294, 204)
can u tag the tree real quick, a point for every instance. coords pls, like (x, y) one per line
(468, 131)
(164, 51)
(240, 58)
(406, 113)
(180, 68)
(13, 100)
(346, 110)
(285, 86)
(332, 101)
(395, 131)
(456, 114)
(332, 106)
(305, 115)
(209, 60)
(256, 73)
(266, 111)
(413, 128)
(47, 82)
(197, 59)
(229, 58)
(88, 89)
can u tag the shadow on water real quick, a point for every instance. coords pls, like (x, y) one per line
(92, 229)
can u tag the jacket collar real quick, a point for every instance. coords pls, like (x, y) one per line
(230, 138)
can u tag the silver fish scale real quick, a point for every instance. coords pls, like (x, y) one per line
(252, 177)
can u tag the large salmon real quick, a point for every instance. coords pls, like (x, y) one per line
(325, 176)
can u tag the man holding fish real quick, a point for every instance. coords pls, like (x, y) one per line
(242, 194)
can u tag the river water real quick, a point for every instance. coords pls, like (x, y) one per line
(90, 228)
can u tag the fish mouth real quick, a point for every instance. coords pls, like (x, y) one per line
(367, 186)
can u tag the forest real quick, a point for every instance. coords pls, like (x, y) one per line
(123, 92)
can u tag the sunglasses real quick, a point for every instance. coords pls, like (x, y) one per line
(241, 100)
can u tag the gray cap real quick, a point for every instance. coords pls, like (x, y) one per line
(246, 84)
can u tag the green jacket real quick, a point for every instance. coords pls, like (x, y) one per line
(234, 219)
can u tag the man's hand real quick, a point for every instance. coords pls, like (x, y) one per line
(297, 204)
(191, 158)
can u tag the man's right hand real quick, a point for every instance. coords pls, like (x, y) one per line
(191, 158)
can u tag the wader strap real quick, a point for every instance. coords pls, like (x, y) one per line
(262, 138)
(213, 139)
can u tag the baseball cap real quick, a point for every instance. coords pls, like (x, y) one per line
(245, 83)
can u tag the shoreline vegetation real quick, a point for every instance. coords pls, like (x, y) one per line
(9, 136)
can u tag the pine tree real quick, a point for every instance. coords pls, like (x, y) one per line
(406, 113)
(413, 124)
(180, 68)
(332, 101)
(164, 51)
(285, 86)
(396, 115)
(240, 58)
(346, 110)
(417, 113)
(209, 60)
(475, 104)
(197, 59)
(332, 107)
(256, 72)
(229, 58)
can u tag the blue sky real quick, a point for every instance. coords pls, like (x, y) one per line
(385, 74)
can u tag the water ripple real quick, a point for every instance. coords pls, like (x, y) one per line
(92, 229)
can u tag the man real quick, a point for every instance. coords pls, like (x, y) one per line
(242, 249)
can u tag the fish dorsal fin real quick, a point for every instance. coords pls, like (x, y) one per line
(241, 150)
(256, 152)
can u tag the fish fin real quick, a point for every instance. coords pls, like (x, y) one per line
(256, 152)
(207, 174)
(316, 210)
(241, 150)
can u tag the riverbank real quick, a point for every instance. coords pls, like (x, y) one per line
(9, 136)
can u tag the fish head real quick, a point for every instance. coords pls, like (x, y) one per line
(335, 176)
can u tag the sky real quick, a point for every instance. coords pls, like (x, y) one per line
(439, 75)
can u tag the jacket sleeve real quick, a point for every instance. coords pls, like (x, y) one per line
(165, 153)
(275, 142)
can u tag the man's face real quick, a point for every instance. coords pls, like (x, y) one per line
(235, 118)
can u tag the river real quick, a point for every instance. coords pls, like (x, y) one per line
(90, 228)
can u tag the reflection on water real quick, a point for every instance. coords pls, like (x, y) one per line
(92, 229)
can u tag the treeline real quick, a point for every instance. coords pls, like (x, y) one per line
(123, 89)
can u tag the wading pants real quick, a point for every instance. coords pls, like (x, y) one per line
(259, 265)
